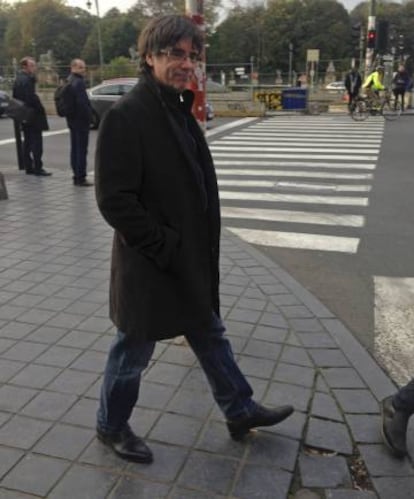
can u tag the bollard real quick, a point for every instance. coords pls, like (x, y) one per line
(19, 144)
(3, 189)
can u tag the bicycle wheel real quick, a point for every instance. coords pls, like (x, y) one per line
(391, 110)
(359, 111)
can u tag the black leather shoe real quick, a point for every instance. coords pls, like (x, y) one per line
(83, 183)
(262, 416)
(394, 428)
(29, 171)
(126, 445)
(42, 173)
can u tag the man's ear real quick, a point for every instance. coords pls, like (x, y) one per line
(149, 60)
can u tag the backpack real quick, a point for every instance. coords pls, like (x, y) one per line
(399, 82)
(64, 100)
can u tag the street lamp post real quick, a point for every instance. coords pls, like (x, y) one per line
(98, 26)
(290, 62)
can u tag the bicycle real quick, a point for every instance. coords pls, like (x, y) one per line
(386, 106)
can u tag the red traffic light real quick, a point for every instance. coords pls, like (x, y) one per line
(371, 38)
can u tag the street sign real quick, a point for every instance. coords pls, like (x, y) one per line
(312, 55)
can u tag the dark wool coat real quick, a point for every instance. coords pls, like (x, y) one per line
(81, 114)
(24, 88)
(161, 198)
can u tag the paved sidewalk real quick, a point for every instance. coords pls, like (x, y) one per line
(54, 336)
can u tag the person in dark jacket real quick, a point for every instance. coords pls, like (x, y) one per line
(156, 186)
(353, 82)
(24, 89)
(396, 411)
(79, 122)
(400, 84)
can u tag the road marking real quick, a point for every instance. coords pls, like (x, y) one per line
(296, 147)
(297, 240)
(302, 217)
(353, 157)
(228, 126)
(45, 134)
(300, 164)
(292, 173)
(295, 185)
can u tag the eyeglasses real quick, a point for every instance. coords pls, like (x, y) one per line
(180, 55)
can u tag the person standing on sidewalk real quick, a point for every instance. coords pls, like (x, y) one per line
(400, 84)
(156, 186)
(24, 89)
(396, 411)
(79, 120)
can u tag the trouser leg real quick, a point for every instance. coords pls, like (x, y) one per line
(230, 388)
(403, 400)
(127, 360)
(27, 148)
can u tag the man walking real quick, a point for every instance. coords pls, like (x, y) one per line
(156, 186)
(78, 122)
(24, 89)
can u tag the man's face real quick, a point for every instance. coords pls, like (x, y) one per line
(174, 66)
(79, 68)
(30, 67)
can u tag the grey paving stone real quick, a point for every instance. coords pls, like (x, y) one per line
(82, 413)
(48, 405)
(90, 361)
(182, 355)
(328, 435)
(326, 357)
(272, 450)
(154, 395)
(169, 374)
(251, 303)
(46, 334)
(81, 307)
(262, 483)
(273, 289)
(25, 475)
(321, 385)
(356, 401)
(196, 380)
(5, 344)
(244, 315)
(64, 441)
(315, 340)
(264, 349)
(168, 461)
(182, 493)
(13, 398)
(295, 355)
(102, 456)
(324, 471)
(22, 432)
(306, 494)
(4, 416)
(284, 393)
(295, 311)
(8, 458)
(394, 487)
(253, 292)
(58, 356)
(35, 376)
(324, 406)
(36, 316)
(365, 428)
(134, 488)
(380, 462)
(143, 420)
(65, 320)
(191, 403)
(54, 303)
(350, 494)
(73, 381)
(237, 328)
(16, 330)
(103, 343)
(230, 289)
(24, 351)
(26, 300)
(273, 320)
(209, 473)
(176, 429)
(306, 325)
(299, 375)
(78, 339)
(253, 366)
(284, 299)
(272, 334)
(237, 280)
(343, 377)
(84, 482)
(216, 439)
(291, 427)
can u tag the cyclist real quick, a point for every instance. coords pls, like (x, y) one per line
(373, 84)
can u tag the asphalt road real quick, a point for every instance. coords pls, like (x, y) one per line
(371, 290)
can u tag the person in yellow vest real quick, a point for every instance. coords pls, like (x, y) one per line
(373, 84)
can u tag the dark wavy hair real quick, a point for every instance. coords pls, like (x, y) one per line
(166, 31)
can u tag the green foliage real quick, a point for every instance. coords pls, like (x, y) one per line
(120, 66)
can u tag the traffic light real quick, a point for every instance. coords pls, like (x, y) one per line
(356, 34)
(382, 36)
(371, 38)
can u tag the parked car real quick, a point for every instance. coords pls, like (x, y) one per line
(4, 102)
(102, 97)
(337, 86)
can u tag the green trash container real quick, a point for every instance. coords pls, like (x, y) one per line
(294, 99)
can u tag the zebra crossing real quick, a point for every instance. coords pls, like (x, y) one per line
(298, 182)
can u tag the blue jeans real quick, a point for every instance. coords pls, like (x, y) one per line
(127, 360)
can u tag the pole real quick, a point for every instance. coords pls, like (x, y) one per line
(195, 10)
(369, 54)
(101, 59)
(290, 63)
